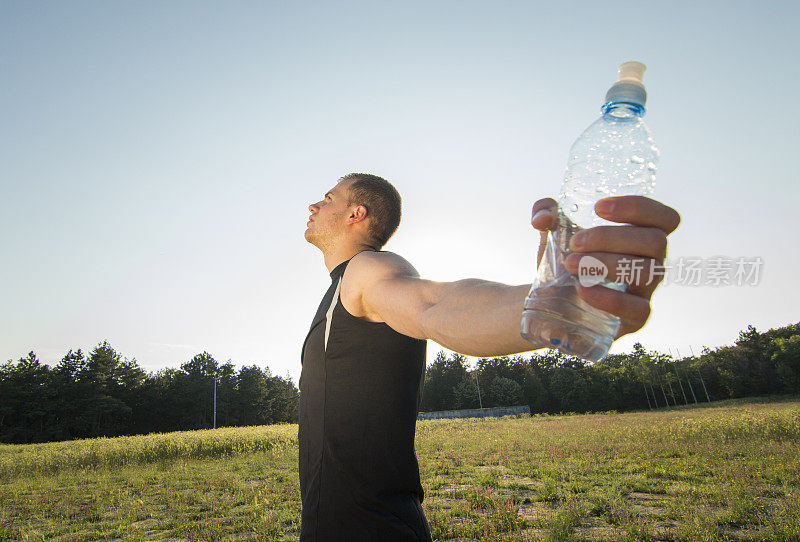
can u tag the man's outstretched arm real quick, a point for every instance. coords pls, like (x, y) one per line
(472, 316)
(482, 318)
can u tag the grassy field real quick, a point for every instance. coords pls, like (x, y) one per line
(724, 472)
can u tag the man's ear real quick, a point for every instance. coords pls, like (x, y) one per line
(357, 214)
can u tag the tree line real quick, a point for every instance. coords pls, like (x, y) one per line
(757, 364)
(103, 395)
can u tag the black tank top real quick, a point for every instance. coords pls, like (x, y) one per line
(360, 388)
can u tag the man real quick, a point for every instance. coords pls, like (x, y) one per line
(364, 357)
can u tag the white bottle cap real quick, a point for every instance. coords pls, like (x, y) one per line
(629, 87)
(631, 72)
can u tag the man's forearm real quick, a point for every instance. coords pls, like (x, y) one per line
(478, 318)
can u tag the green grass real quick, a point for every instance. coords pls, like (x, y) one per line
(54, 457)
(722, 472)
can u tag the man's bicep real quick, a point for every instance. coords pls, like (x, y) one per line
(401, 302)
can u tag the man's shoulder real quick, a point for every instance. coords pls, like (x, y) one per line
(370, 266)
(367, 269)
(374, 261)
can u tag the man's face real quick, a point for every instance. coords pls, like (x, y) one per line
(328, 216)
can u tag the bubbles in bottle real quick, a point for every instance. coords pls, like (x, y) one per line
(637, 159)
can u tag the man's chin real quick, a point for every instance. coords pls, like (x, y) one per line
(310, 237)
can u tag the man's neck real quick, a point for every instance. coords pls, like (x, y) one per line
(341, 254)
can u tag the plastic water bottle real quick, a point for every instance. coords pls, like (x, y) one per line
(615, 156)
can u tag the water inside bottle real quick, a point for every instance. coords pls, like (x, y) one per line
(555, 316)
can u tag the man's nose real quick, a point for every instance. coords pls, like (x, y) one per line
(313, 208)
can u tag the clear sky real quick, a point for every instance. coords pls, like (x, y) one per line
(157, 158)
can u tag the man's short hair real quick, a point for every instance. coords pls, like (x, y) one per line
(382, 202)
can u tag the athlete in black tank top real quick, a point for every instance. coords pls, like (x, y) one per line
(360, 388)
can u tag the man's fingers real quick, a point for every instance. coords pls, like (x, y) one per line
(631, 309)
(644, 239)
(543, 215)
(632, 240)
(636, 210)
(640, 275)
(639, 211)
(545, 203)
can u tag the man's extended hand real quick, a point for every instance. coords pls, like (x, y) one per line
(644, 236)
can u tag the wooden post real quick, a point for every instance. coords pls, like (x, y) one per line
(649, 404)
(703, 382)
(689, 380)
